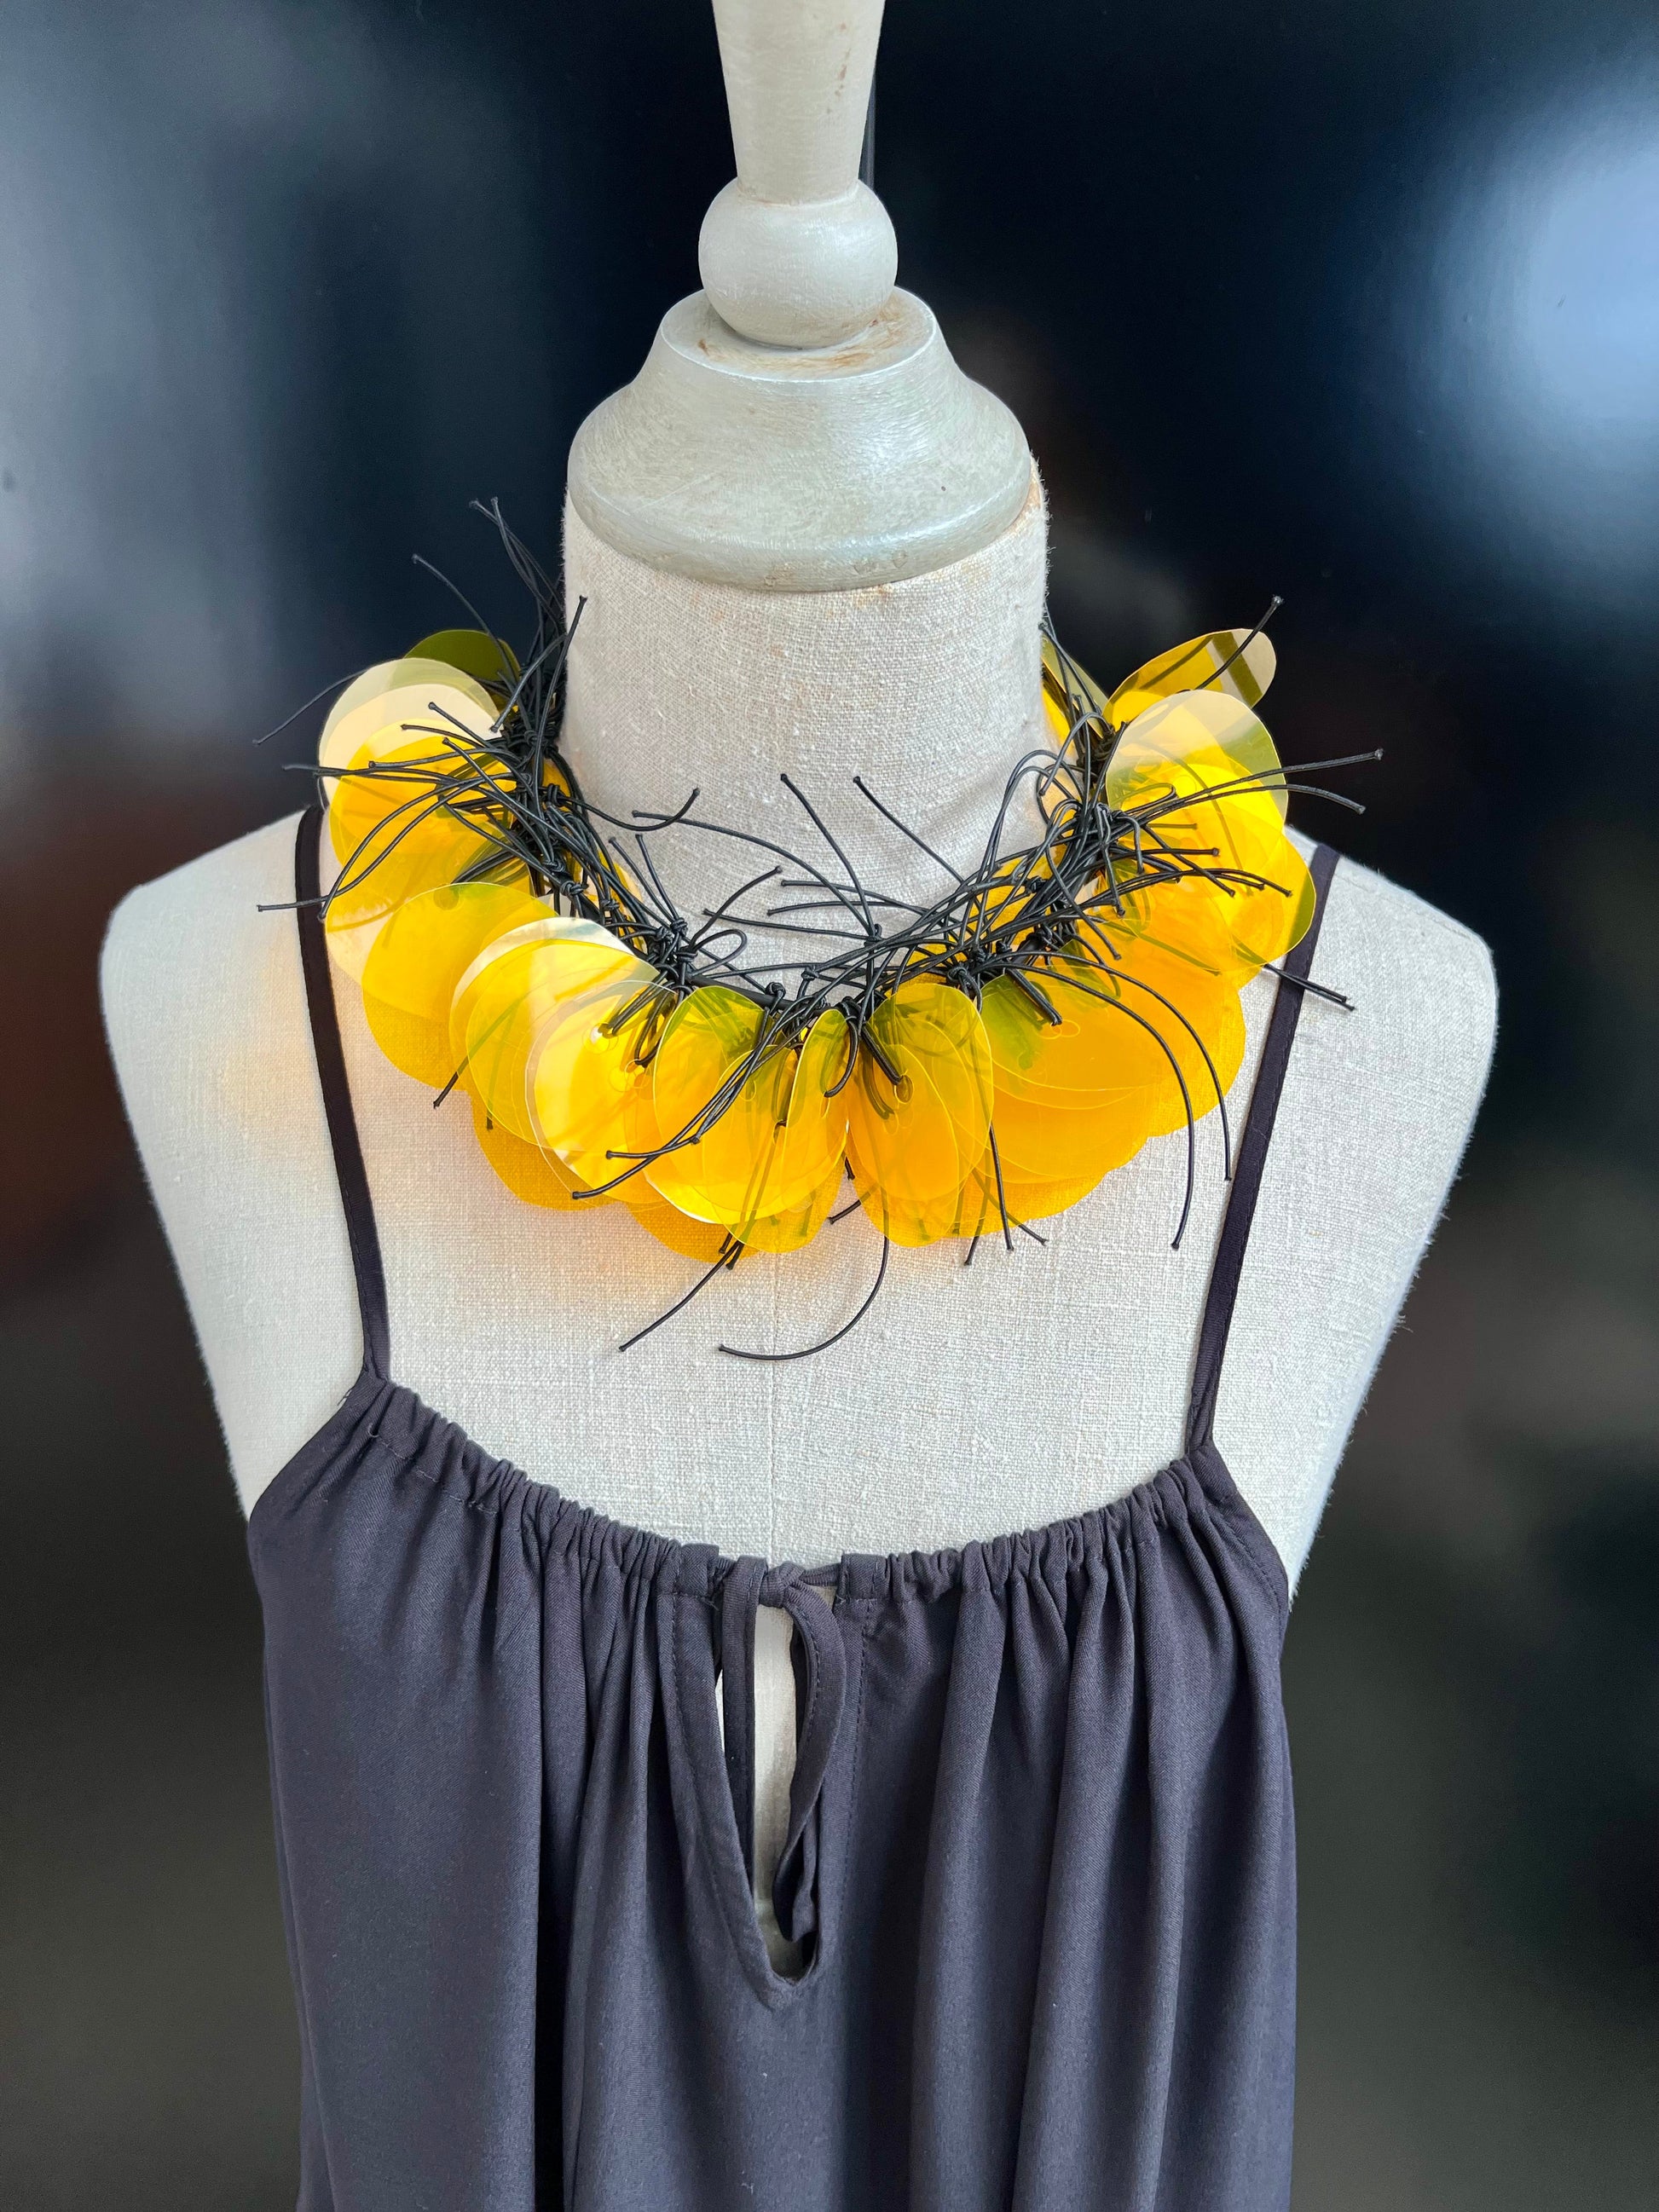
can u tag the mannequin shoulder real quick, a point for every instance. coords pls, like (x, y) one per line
(205, 1009)
(204, 997)
(173, 945)
(1379, 1099)
(1423, 995)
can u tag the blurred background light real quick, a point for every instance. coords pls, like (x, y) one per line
(1542, 359)
(1587, 309)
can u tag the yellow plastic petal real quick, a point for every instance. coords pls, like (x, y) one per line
(1035, 1197)
(427, 701)
(591, 1082)
(392, 858)
(1200, 1031)
(695, 1240)
(914, 1144)
(1085, 1058)
(1024, 1197)
(1266, 920)
(1045, 1142)
(534, 994)
(1157, 1012)
(419, 955)
(1069, 692)
(813, 1149)
(528, 1172)
(794, 1230)
(385, 826)
(1194, 743)
(377, 823)
(488, 660)
(815, 1135)
(1188, 918)
(388, 676)
(1252, 904)
(709, 1049)
(778, 1135)
(1220, 662)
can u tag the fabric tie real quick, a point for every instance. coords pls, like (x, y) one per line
(820, 1663)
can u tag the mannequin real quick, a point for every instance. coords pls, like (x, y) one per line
(735, 629)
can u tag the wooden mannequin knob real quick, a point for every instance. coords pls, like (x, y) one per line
(796, 251)
(799, 424)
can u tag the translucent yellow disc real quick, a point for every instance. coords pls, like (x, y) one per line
(1157, 1012)
(1087, 1058)
(532, 996)
(488, 660)
(814, 1143)
(1252, 901)
(391, 858)
(412, 672)
(1197, 743)
(1218, 663)
(351, 936)
(792, 1231)
(395, 838)
(817, 1099)
(695, 1240)
(915, 1222)
(1069, 692)
(1035, 1197)
(696, 1237)
(1025, 1197)
(767, 1133)
(1047, 1142)
(419, 955)
(1264, 921)
(1187, 917)
(914, 1144)
(529, 1173)
(721, 1101)
(591, 1082)
(433, 705)
(1198, 1028)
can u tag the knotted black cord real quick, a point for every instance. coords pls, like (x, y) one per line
(1026, 915)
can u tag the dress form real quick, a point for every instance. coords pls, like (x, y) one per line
(883, 636)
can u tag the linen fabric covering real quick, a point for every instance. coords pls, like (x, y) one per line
(830, 683)
(1040, 1854)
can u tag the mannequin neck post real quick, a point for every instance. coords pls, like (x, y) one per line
(929, 688)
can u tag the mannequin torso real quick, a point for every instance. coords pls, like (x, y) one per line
(954, 1412)
(942, 1420)
(960, 1407)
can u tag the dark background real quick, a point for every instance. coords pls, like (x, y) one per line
(1359, 304)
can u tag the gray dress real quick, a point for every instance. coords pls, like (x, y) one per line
(1040, 1852)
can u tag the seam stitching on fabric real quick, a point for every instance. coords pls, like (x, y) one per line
(1242, 1525)
(855, 1780)
(489, 1507)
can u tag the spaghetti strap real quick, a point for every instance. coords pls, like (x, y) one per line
(1253, 1141)
(337, 1095)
